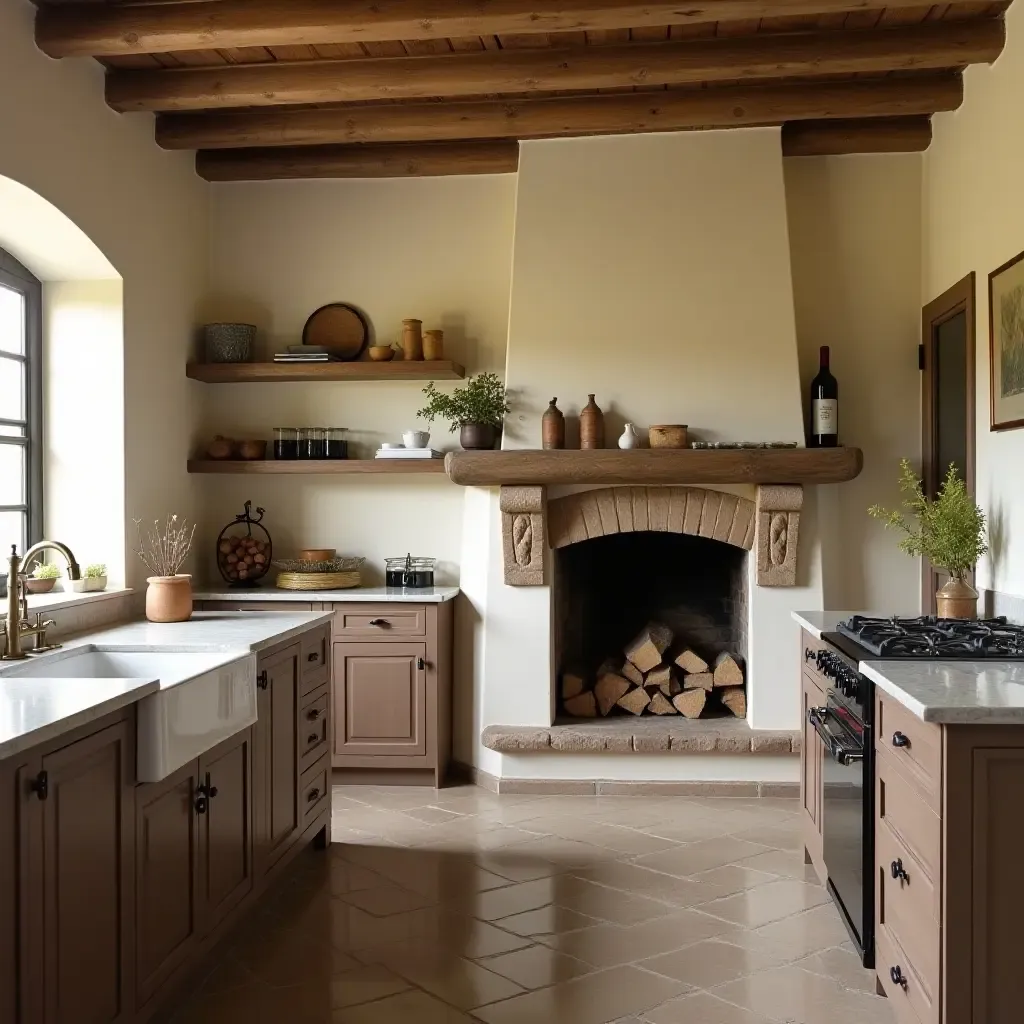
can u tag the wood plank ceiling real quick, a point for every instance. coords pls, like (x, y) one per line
(268, 89)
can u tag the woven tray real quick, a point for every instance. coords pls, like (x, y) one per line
(318, 580)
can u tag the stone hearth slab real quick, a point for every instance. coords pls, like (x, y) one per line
(641, 736)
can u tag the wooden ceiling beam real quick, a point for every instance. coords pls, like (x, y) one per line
(722, 107)
(405, 160)
(921, 47)
(95, 30)
(416, 160)
(866, 135)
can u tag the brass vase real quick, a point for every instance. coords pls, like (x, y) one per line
(957, 600)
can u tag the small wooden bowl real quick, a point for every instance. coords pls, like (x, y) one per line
(381, 353)
(317, 554)
(252, 451)
(668, 435)
(220, 448)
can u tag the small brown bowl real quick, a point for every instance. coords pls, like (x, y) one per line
(317, 554)
(220, 448)
(381, 353)
(668, 435)
(252, 451)
(37, 586)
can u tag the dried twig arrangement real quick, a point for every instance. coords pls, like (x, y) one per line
(163, 548)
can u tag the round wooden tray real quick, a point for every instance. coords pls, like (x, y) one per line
(318, 580)
(340, 328)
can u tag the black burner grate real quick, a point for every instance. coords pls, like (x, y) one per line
(930, 637)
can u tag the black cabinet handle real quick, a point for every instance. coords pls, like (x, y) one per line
(899, 871)
(262, 680)
(314, 795)
(200, 802)
(40, 785)
(313, 714)
(900, 739)
(313, 737)
(808, 654)
(313, 657)
(383, 623)
(421, 664)
(898, 977)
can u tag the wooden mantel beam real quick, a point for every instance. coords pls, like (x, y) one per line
(415, 160)
(673, 110)
(921, 47)
(83, 30)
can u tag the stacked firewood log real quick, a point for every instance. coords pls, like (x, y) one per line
(654, 676)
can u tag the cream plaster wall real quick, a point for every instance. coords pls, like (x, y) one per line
(974, 221)
(147, 212)
(435, 248)
(855, 234)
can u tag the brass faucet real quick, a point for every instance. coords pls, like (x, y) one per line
(17, 626)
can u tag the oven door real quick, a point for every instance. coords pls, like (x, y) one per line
(846, 827)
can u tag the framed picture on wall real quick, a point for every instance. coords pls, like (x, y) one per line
(1006, 344)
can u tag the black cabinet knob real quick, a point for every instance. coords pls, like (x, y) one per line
(212, 792)
(313, 714)
(314, 795)
(40, 785)
(421, 664)
(262, 680)
(379, 622)
(312, 738)
(898, 977)
(808, 654)
(900, 739)
(313, 657)
(899, 871)
(200, 803)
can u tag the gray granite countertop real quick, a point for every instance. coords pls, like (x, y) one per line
(35, 710)
(371, 595)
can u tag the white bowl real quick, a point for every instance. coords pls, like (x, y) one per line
(416, 438)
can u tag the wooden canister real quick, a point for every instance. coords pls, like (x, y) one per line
(433, 344)
(552, 427)
(591, 425)
(412, 339)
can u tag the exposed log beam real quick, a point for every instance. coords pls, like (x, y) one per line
(870, 135)
(409, 160)
(413, 160)
(928, 46)
(727, 106)
(82, 30)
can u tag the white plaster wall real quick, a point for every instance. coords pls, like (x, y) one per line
(146, 211)
(974, 221)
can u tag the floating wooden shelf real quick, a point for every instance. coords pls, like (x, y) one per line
(656, 466)
(309, 467)
(265, 373)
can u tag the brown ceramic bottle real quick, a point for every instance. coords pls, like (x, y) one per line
(552, 427)
(591, 425)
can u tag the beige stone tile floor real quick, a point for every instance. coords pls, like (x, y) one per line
(462, 906)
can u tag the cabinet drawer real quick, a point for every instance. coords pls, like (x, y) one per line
(314, 790)
(909, 994)
(380, 622)
(255, 606)
(901, 807)
(315, 659)
(313, 728)
(914, 745)
(908, 905)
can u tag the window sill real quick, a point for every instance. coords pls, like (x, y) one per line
(55, 601)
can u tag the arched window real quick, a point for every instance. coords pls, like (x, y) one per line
(21, 412)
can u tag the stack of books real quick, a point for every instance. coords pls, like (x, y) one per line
(408, 453)
(305, 354)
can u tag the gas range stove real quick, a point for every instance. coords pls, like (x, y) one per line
(930, 637)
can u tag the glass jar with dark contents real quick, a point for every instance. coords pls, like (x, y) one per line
(335, 445)
(286, 442)
(409, 572)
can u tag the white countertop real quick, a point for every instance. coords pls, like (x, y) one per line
(374, 595)
(34, 710)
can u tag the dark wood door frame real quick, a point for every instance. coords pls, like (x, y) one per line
(955, 300)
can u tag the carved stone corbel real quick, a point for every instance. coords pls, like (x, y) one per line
(522, 535)
(778, 533)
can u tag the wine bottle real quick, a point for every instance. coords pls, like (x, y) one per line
(824, 407)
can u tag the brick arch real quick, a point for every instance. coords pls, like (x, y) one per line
(696, 511)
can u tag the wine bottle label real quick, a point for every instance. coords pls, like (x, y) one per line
(825, 416)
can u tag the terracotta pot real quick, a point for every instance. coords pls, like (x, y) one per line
(668, 435)
(412, 339)
(478, 437)
(957, 600)
(433, 344)
(36, 586)
(591, 425)
(552, 427)
(169, 598)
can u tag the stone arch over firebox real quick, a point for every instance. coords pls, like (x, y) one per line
(697, 511)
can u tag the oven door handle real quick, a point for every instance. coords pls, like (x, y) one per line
(818, 717)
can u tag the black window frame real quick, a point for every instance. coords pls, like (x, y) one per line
(19, 278)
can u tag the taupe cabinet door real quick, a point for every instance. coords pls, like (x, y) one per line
(380, 696)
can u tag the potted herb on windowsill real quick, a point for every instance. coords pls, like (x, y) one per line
(948, 530)
(94, 578)
(43, 578)
(477, 410)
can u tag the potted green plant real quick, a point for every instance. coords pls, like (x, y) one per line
(948, 530)
(43, 578)
(94, 578)
(477, 410)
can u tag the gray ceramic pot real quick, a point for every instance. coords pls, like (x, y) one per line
(478, 436)
(228, 343)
